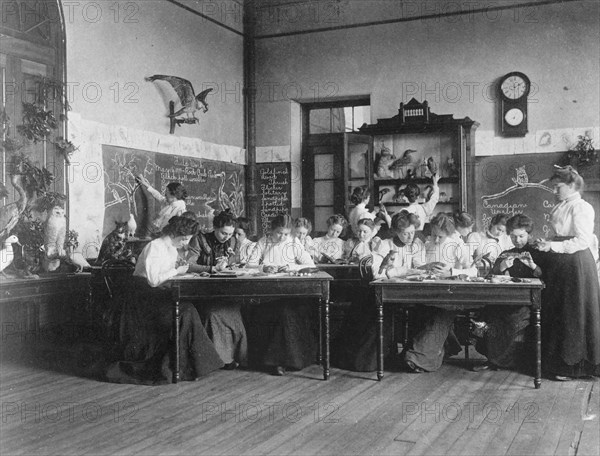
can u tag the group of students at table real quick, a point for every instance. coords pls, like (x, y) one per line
(281, 333)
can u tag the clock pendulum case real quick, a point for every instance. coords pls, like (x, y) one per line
(513, 90)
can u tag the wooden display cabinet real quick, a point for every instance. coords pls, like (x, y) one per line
(450, 142)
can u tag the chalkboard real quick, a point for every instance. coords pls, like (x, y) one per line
(275, 190)
(514, 184)
(211, 186)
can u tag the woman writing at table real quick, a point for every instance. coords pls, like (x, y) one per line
(282, 331)
(571, 299)
(147, 319)
(446, 255)
(210, 252)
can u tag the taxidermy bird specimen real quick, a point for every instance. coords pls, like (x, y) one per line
(388, 261)
(7, 253)
(9, 214)
(190, 102)
(405, 160)
(383, 192)
(55, 230)
(432, 165)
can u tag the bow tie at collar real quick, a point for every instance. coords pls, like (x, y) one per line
(398, 242)
(488, 234)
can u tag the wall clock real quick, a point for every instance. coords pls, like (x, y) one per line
(513, 89)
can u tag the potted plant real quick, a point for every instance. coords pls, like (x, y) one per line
(583, 155)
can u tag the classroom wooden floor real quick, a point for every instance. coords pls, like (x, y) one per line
(48, 407)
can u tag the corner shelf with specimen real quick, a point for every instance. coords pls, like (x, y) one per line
(402, 146)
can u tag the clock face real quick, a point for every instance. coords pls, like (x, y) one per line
(514, 117)
(514, 87)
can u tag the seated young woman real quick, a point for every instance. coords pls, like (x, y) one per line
(447, 255)
(282, 334)
(359, 246)
(211, 252)
(147, 320)
(494, 240)
(505, 332)
(243, 245)
(329, 248)
(355, 348)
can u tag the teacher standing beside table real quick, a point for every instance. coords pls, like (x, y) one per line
(571, 300)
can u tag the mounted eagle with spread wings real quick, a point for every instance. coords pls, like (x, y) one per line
(190, 102)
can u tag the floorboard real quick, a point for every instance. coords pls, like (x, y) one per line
(51, 407)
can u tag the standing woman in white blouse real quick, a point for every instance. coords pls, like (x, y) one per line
(146, 320)
(571, 299)
(174, 197)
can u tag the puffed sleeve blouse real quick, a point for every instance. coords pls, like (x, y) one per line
(289, 252)
(157, 262)
(573, 217)
(409, 256)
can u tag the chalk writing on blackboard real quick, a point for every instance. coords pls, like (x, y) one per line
(212, 186)
(521, 198)
(275, 189)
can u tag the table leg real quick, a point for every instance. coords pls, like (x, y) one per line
(176, 317)
(320, 347)
(379, 335)
(325, 304)
(537, 320)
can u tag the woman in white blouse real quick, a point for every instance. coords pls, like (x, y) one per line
(147, 320)
(281, 333)
(424, 210)
(355, 348)
(571, 299)
(447, 255)
(174, 197)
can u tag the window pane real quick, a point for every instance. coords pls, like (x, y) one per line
(323, 193)
(349, 116)
(358, 160)
(338, 122)
(321, 216)
(324, 166)
(320, 121)
(362, 114)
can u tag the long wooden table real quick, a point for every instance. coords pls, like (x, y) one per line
(459, 295)
(190, 288)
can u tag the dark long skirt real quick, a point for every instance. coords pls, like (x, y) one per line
(435, 341)
(282, 333)
(505, 343)
(146, 328)
(355, 348)
(571, 315)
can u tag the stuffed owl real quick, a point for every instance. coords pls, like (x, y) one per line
(55, 230)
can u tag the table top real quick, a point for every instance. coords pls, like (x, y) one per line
(529, 283)
(224, 277)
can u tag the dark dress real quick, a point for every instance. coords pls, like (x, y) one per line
(504, 342)
(223, 318)
(571, 315)
(146, 325)
(282, 332)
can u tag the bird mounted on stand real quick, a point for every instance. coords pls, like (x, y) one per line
(179, 89)
(9, 214)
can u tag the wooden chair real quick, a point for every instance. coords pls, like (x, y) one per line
(117, 280)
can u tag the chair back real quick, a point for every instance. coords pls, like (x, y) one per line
(365, 270)
(117, 275)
